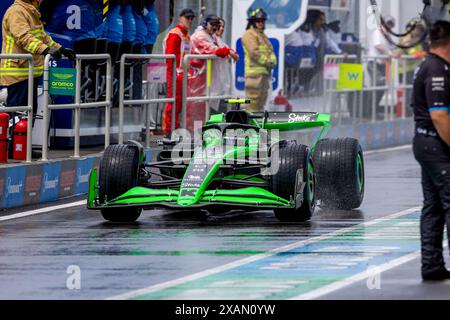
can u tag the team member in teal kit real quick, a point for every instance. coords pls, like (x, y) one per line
(129, 23)
(152, 22)
(141, 28)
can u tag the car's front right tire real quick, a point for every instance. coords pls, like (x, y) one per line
(294, 163)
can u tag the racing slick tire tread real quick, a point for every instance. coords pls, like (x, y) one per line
(292, 157)
(119, 169)
(337, 170)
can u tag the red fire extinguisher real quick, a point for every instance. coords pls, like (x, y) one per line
(20, 140)
(4, 123)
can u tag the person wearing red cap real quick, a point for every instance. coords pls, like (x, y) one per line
(177, 42)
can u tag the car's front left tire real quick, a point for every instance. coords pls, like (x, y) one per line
(118, 173)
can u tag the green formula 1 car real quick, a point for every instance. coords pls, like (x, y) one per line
(238, 163)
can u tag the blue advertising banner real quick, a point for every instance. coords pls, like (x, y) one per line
(14, 186)
(50, 182)
(82, 175)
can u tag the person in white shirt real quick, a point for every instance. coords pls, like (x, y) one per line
(334, 36)
(379, 45)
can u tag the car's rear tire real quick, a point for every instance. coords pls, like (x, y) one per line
(118, 173)
(340, 173)
(293, 160)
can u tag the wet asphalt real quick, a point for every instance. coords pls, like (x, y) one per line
(37, 252)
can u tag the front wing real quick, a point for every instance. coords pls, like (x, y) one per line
(251, 197)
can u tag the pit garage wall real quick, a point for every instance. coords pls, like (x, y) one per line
(37, 183)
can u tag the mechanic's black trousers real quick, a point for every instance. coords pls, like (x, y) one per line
(434, 157)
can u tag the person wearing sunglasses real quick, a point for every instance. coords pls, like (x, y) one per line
(205, 42)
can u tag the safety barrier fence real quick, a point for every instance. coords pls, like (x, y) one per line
(29, 107)
(207, 98)
(78, 105)
(145, 101)
(385, 80)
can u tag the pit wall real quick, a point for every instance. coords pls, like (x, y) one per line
(38, 183)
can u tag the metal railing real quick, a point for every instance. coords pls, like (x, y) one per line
(384, 74)
(147, 101)
(78, 105)
(333, 97)
(29, 108)
(206, 98)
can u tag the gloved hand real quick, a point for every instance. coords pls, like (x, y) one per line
(57, 53)
(223, 52)
(54, 52)
(69, 53)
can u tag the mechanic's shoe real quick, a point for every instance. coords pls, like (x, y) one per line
(437, 276)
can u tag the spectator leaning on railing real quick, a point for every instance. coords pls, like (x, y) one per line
(24, 33)
(204, 41)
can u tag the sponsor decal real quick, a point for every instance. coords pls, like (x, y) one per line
(67, 178)
(14, 187)
(62, 81)
(292, 117)
(33, 184)
(351, 77)
(50, 182)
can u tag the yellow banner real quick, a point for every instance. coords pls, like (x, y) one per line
(209, 66)
(351, 77)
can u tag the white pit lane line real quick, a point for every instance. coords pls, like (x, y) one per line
(241, 262)
(43, 210)
(400, 148)
(360, 276)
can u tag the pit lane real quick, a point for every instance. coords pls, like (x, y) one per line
(179, 255)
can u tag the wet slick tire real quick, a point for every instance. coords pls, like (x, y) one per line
(119, 169)
(340, 173)
(294, 162)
